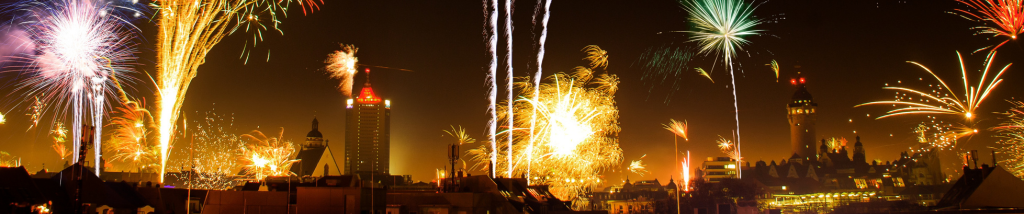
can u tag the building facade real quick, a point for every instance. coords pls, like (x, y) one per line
(802, 115)
(367, 133)
(715, 169)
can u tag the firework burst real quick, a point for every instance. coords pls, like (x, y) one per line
(188, 31)
(725, 145)
(775, 67)
(637, 166)
(1002, 18)
(342, 65)
(131, 139)
(8, 160)
(60, 135)
(575, 139)
(264, 156)
(665, 63)
(677, 128)
(942, 99)
(720, 28)
(80, 44)
(937, 134)
(1011, 132)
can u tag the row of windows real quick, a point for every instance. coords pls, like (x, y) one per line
(801, 111)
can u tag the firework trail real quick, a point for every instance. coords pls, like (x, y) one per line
(537, 76)
(775, 67)
(1011, 132)
(663, 63)
(342, 65)
(703, 73)
(637, 166)
(945, 99)
(491, 27)
(721, 25)
(1006, 15)
(678, 129)
(510, 76)
(79, 45)
(187, 32)
(3, 119)
(36, 113)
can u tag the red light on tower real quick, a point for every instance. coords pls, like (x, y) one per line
(792, 81)
(802, 81)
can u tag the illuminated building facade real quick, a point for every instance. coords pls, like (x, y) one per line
(802, 116)
(367, 133)
(717, 168)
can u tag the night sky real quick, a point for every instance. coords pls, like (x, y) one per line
(847, 49)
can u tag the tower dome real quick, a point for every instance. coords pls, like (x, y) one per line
(315, 133)
(314, 139)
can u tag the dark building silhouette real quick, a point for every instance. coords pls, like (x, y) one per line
(315, 156)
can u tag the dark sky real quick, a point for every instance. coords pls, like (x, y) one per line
(847, 49)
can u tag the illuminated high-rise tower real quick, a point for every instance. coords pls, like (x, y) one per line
(802, 117)
(367, 133)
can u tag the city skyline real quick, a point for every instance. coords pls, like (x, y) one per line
(846, 50)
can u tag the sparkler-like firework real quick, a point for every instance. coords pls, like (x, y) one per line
(1007, 16)
(342, 65)
(946, 101)
(1011, 132)
(188, 30)
(264, 156)
(720, 28)
(212, 158)
(80, 44)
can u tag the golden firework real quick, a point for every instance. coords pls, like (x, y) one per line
(187, 31)
(942, 99)
(264, 156)
(575, 134)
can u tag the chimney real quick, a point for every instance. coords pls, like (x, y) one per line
(994, 162)
(974, 158)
